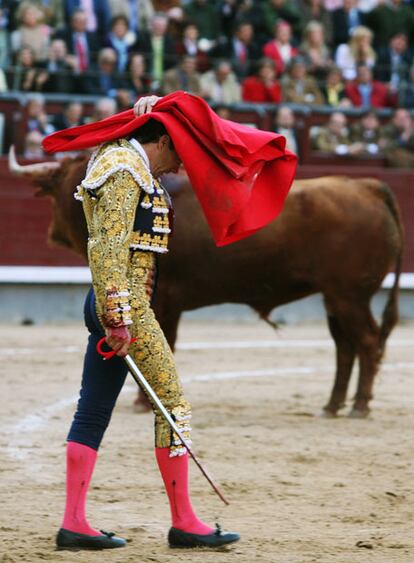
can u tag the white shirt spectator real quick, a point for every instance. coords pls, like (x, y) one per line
(345, 60)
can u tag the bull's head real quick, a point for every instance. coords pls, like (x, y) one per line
(58, 180)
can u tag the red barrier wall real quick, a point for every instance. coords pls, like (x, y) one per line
(24, 219)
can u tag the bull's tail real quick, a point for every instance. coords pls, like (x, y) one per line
(390, 314)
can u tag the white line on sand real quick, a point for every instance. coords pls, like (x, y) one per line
(20, 442)
(283, 372)
(214, 345)
(305, 343)
(37, 351)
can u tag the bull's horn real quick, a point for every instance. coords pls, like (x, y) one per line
(29, 169)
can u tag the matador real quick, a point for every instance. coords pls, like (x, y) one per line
(129, 219)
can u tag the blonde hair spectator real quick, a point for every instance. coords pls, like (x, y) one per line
(358, 51)
(314, 49)
(32, 32)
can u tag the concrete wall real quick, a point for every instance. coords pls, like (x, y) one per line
(43, 303)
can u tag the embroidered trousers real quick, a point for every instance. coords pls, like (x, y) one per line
(102, 380)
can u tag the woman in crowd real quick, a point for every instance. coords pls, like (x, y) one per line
(280, 49)
(315, 51)
(139, 82)
(31, 32)
(358, 51)
(263, 87)
(36, 116)
(119, 40)
(137, 12)
(26, 75)
(333, 89)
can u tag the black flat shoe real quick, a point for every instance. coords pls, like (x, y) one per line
(178, 538)
(72, 540)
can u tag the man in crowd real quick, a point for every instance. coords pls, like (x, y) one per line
(366, 92)
(366, 135)
(81, 43)
(285, 125)
(334, 137)
(220, 85)
(104, 79)
(345, 20)
(182, 77)
(241, 50)
(97, 12)
(388, 19)
(299, 87)
(158, 48)
(71, 116)
(104, 107)
(399, 139)
(60, 68)
(394, 61)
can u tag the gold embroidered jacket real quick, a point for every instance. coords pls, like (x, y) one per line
(126, 210)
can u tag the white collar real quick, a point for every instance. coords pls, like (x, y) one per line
(139, 148)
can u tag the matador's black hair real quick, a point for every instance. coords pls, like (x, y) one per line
(150, 132)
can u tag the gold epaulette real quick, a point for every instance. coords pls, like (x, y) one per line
(115, 157)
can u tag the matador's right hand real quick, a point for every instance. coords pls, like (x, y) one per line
(145, 105)
(118, 339)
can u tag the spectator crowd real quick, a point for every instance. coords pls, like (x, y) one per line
(339, 53)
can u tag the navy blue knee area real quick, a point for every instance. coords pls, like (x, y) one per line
(102, 382)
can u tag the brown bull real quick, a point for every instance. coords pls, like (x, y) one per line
(336, 236)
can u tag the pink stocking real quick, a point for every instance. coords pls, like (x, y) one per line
(174, 471)
(80, 462)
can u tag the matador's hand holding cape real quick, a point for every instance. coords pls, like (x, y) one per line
(241, 176)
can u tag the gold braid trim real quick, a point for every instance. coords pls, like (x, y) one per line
(110, 219)
(116, 157)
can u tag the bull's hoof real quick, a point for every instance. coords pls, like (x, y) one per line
(359, 413)
(327, 413)
(141, 404)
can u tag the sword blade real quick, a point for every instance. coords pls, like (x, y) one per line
(142, 382)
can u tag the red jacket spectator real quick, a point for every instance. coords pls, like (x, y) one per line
(280, 49)
(263, 87)
(366, 92)
(255, 90)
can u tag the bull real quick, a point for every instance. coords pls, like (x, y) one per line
(336, 236)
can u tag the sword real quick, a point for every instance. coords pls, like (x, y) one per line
(143, 383)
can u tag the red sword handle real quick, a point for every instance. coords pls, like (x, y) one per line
(111, 353)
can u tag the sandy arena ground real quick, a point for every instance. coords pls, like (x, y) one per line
(302, 488)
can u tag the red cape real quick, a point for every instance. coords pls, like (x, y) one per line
(241, 176)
